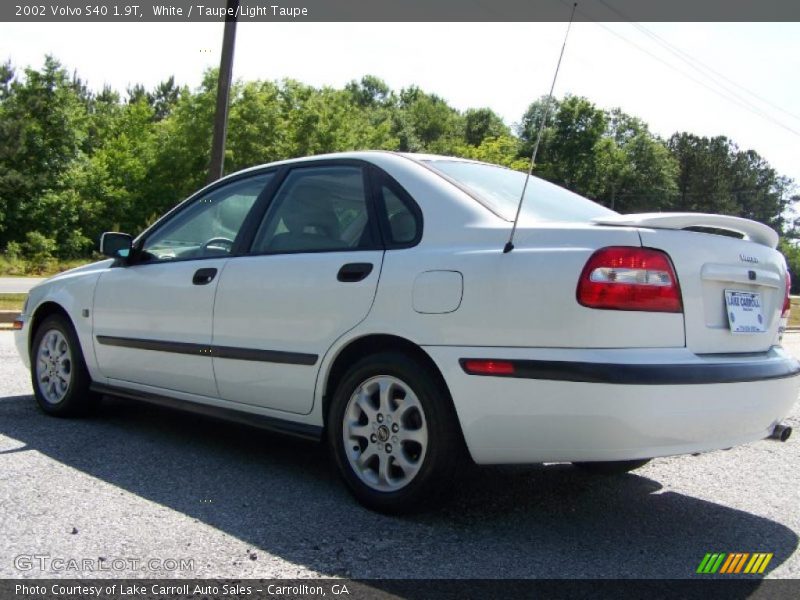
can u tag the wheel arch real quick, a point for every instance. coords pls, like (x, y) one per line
(360, 347)
(44, 310)
(77, 399)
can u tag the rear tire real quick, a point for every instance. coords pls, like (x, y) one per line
(58, 371)
(617, 467)
(394, 434)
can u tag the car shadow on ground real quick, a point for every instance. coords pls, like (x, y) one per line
(283, 496)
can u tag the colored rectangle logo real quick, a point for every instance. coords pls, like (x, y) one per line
(734, 563)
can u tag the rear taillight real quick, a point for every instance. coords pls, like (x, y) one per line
(787, 302)
(629, 278)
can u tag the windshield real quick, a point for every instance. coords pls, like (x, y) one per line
(500, 188)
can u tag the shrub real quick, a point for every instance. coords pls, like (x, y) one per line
(38, 250)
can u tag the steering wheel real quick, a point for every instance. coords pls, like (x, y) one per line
(221, 243)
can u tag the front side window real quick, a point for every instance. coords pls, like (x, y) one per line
(207, 228)
(317, 209)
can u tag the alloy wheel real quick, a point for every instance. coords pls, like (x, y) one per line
(54, 366)
(385, 433)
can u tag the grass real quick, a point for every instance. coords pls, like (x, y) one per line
(12, 301)
(18, 267)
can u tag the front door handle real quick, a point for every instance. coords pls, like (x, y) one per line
(204, 276)
(352, 272)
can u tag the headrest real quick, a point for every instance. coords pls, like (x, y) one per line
(309, 211)
(231, 212)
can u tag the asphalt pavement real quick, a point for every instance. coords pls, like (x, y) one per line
(18, 285)
(136, 484)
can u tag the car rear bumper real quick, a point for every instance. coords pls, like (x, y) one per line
(604, 405)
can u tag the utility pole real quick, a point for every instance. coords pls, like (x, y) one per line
(223, 94)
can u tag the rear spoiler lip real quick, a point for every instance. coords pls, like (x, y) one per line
(751, 230)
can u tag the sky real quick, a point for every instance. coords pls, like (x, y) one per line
(747, 87)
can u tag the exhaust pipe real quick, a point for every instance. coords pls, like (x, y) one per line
(781, 433)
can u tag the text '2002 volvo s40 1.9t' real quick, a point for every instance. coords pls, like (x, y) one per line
(365, 299)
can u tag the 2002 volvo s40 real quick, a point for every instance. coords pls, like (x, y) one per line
(365, 299)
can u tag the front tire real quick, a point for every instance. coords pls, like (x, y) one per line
(616, 467)
(58, 371)
(394, 434)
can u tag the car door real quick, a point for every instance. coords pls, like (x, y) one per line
(153, 316)
(311, 275)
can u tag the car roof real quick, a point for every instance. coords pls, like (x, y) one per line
(355, 154)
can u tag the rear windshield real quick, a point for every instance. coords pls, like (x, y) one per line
(499, 189)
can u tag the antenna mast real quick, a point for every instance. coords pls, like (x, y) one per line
(510, 243)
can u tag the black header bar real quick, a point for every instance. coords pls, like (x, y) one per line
(699, 588)
(280, 11)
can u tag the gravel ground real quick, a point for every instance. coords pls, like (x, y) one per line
(141, 482)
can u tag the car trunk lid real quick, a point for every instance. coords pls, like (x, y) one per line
(708, 266)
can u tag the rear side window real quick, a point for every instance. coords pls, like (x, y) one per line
(499, 190)
(401, 217)
(317, 209)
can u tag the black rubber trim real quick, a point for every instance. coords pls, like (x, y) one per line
(273, 356)
(253, 354)
(157, 345)
(303, 430)
(648, 374)
(380, 179)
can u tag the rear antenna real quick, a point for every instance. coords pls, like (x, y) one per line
(510, 243)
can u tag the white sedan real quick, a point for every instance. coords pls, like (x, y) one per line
(365, 299)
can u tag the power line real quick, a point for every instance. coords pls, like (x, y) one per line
(741, 103)
(700, 67)
(731, 97)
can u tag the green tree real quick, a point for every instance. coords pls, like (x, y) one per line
(116, 182)
(371, 91)
(570, 148)
(256, 132)
(704, 183)
(501, 150)
(42, 128)
(183, 146)
(425, 122)
(164, 98)
(75, 162)
(715, 176)
(483, 123)
(639, 173)
(6, 77)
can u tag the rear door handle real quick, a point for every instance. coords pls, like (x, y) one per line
(352, 272)
(204, 276)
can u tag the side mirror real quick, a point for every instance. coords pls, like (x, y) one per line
(115, 245)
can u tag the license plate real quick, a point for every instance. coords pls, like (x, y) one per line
(744, 312)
